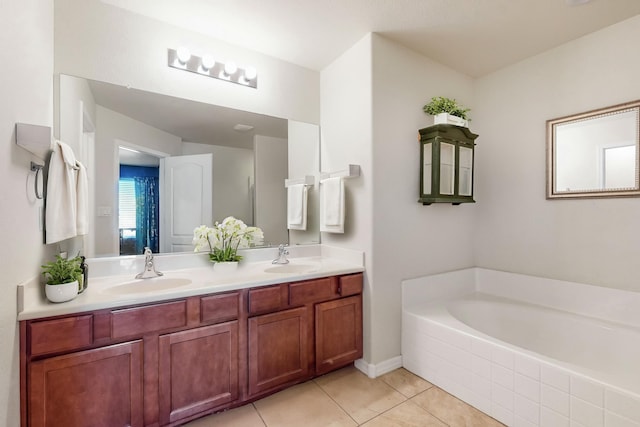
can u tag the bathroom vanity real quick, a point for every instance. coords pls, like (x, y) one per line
(172, 360)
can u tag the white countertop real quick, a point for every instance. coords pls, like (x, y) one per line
(100, 294)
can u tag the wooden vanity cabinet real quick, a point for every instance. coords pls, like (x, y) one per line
(314, 327)
(166, 363)
(199, 370)
(98, 387)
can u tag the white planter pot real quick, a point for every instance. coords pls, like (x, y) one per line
(446, 118)
(61, 293)
(225, 267)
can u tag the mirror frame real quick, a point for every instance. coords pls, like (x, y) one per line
(589, 115)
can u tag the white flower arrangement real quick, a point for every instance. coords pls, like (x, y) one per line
(224, 239)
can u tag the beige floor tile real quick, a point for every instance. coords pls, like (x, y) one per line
(302, 405)
(405, 382)
(244, 416)
(407, 414)
(451, 410)
(362, 397)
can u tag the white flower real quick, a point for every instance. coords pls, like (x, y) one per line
(224, 239)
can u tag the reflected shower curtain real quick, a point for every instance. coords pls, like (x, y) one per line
(147, 210)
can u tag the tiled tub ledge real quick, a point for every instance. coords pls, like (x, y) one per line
(528, 351)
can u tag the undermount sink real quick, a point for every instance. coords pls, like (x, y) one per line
(291, 268)
(142, 286)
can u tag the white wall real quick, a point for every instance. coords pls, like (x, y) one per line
(372, 98)
(270, 163)
(304, 159)
(409, 239)
(102, 42)
(347, 133)
(517, 229)
(112, 129)
(232, 170)
(26, 31)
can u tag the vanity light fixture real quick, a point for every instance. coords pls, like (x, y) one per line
(206, 65)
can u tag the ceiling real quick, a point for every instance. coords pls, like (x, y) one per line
(475, 37)
(190, 120)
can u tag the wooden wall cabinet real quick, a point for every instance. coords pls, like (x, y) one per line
(166, 363)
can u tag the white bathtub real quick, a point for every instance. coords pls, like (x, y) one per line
(524, 363)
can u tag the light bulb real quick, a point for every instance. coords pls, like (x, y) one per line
(250, 73)
(208, 62)
(183, 55)
(230, 68)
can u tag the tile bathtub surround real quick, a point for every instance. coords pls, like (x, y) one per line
(514, 388)
(347, 397)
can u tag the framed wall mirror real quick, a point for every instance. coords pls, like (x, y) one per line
(129, 138)
(595, 154)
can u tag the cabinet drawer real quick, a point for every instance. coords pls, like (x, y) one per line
(219, 308)
(314, 290)
(350, 285)
(69, 333)
(140, 320)
(264, 299)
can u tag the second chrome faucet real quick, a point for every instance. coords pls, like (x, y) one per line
(282, 255)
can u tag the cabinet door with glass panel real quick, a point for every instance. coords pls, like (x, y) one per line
(446, 164)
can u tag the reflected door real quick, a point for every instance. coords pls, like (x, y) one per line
(187, 199)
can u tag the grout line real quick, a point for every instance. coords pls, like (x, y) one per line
(426, 410)
(334, 401)
(259, 414)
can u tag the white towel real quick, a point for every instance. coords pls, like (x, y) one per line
(82, 202)
(297, 207)
(60, 215)
(332, 205)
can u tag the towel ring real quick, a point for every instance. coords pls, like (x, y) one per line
(37, 188)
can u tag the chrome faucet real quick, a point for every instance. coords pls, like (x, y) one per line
(149, 268)
(282, 256)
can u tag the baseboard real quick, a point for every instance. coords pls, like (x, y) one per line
(373, 371)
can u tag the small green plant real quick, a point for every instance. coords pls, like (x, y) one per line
(441, 104)
(62, 270)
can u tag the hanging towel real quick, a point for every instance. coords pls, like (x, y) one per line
(332, 205)
(297, 207)
(82, 201)
(61, 201)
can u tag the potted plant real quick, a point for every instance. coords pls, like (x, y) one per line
(63, 277)
(446, 110)
(224, 239)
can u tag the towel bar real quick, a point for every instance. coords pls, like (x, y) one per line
(352, 171)
(308, 180)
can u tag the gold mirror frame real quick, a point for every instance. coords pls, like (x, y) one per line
(581, 131)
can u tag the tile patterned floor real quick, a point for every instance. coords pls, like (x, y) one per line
(347, 397)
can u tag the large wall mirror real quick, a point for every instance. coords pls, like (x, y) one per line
(131, 139)
(595, 154)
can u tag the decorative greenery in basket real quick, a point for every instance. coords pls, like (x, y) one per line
(224, 239)
(62, 270)
(439, 104)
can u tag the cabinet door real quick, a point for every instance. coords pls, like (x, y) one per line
(278, 350)
(198, 370)
(338, 333)
(100, 387)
